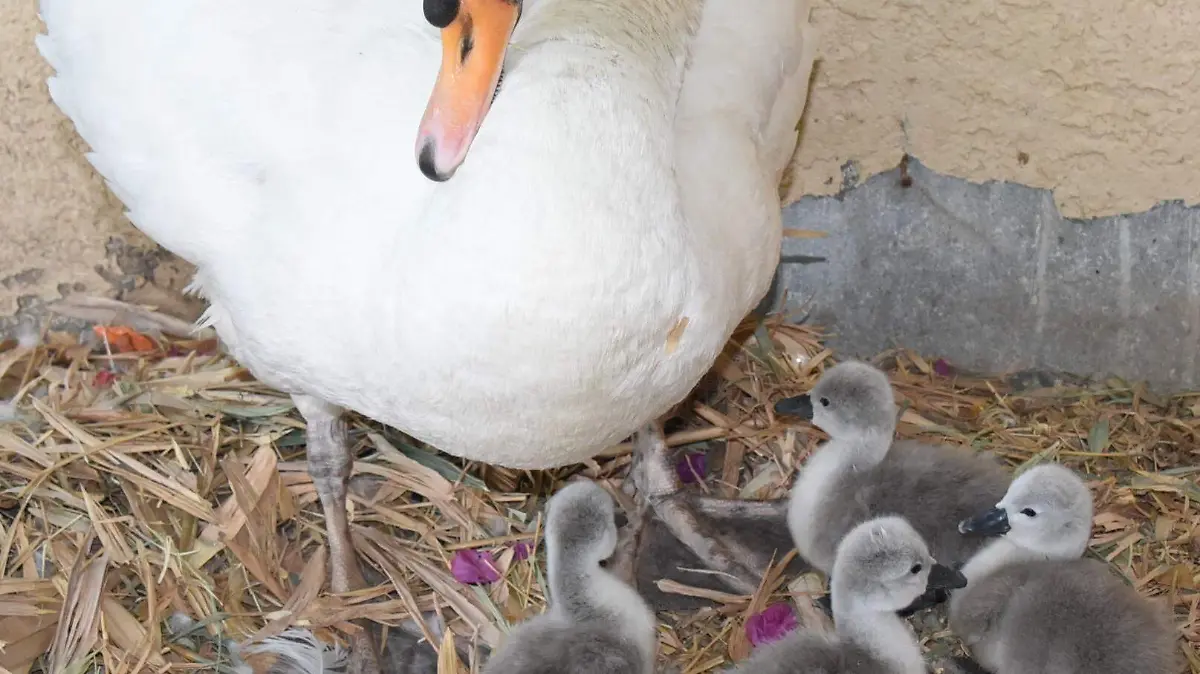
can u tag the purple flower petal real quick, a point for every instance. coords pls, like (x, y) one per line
(522, 550)
(692, 467)
(770, 625)
(943, 368)
(473, 567)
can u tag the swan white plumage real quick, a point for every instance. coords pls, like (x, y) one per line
(615, 219)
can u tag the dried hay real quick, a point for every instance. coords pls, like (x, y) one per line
(137, 485)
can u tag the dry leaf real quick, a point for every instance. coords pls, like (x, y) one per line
(79, 620)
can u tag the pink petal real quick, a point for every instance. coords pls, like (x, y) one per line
(522, 550)
(473, 567)
(104, 378)
(692, 467)
(943, 368)
(771, 625)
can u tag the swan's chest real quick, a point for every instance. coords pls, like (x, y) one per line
(498, 364)
(537, 308)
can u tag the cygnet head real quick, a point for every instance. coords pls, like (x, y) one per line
(883, 565)
(852, 398)
(1047, 510)
(581, 523)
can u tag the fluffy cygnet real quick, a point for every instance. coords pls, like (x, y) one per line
(881, 566)
(595, 624)
(1033, 605)
(861, 473)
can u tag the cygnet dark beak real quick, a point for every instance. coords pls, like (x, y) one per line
(991, 523)
(796, 406)
(945, 578)
(620, 518)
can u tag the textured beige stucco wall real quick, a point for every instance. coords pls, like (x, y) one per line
(1096, 99)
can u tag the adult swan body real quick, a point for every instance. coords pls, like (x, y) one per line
(559, 263)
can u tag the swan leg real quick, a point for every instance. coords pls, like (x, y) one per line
(658, 485)
(329, 464)
(730, 508)
(624, 560)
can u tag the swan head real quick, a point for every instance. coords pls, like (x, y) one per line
(580, 525)
(1046, 510)
(852, 399)
(884, 565)
(475, 36)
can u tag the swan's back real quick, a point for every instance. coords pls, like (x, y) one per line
(277, 121)
(736, 127)
(813, 652)
(244, 131)
(546, 645)
(933, 486)
(209, 118)
(1074, 617)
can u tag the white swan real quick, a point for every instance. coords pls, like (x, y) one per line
(610, 226)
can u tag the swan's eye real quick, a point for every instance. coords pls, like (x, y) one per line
(916, 568)
(824, 402)
(1029, 512)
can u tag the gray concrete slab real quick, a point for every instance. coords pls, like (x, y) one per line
(993, 278)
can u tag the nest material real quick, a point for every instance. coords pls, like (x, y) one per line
(137, 485)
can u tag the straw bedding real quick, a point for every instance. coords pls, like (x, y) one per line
(144, 477)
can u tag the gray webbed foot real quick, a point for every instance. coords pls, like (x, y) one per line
(723, 545)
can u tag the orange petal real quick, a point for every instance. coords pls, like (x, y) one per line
(124, 339)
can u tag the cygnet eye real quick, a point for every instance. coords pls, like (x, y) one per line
(916, 568)
(1029, 512)
(824, 402)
